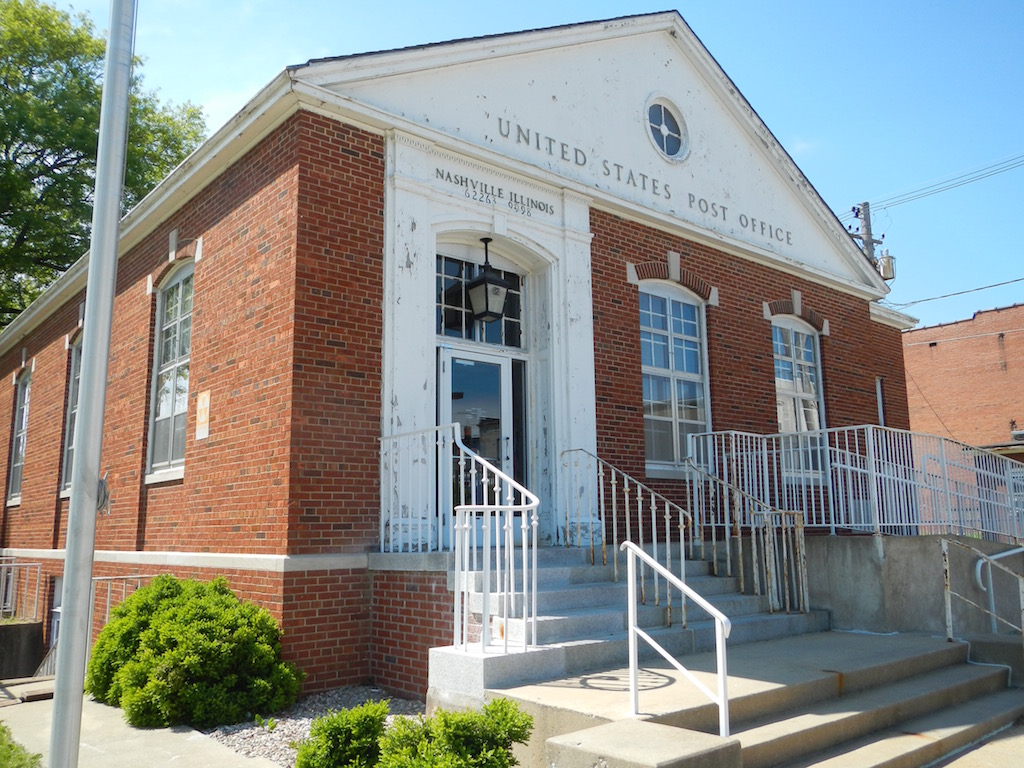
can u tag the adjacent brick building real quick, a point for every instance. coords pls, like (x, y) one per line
(964, 379)
(297, 289)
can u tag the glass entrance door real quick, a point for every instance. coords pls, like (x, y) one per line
(476, 392)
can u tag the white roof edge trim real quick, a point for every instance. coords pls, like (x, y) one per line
(327, 73)
(362, 66)
(892, 318)
(789, 172)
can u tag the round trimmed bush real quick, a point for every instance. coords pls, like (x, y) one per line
(188, 652)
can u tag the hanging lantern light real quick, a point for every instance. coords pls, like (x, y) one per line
(488, 290)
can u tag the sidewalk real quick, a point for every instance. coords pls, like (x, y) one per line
(107, 741)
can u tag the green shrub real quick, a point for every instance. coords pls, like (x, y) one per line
(13, 755)
(456, 739)
(345, 739)
(188, 652)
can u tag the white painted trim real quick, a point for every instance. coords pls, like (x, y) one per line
(892, 318)
(165, 475)
(211, 560)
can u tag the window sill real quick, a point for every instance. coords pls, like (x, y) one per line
(14, 501)
(165, 475)
(65, 493)
(662, 472)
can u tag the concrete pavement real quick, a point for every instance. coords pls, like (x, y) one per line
(107, 741)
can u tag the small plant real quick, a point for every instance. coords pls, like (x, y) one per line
(268, 724)
(464, 739)
(13, 755)
(356, 738)
(188, 652)
(345, 739)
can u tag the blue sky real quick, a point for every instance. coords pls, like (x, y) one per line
(872, 99)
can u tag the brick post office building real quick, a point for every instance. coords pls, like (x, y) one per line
(297, 289)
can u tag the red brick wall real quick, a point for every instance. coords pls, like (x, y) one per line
(33, 522)
(336, 399)
(742, 384)
(964, 379)
(326, 616)
(412, 613)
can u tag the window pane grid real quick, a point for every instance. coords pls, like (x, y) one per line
(797, 389)
(672, 357)
(454, 317)
(170, 407)
(20, 436)
(72, 418)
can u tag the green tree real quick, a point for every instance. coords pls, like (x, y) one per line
(51, 72)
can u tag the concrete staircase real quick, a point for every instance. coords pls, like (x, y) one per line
(583, 610)
(799, 695)
(827, 699)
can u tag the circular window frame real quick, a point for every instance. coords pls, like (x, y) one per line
(676, 114)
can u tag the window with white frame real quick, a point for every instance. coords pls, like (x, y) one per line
(797, 379)
(19, 434)
(71, 420)
(169, 410)
(674, 370)
(798, 398)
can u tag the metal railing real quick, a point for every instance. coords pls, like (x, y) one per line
(439, 495)
(602, 500)
(488, 496)
(986, 561)
(990, 562)
(727, 512)
(872, 478)
(417, 490)
(722, 629)
(20, 589)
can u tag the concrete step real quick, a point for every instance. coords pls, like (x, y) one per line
(923, 740)
(792, 673)
(553, 596)
(829, 723)
(599, 620)
(571, 568)
(612, 650)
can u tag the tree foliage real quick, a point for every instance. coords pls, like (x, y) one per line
(51, 74)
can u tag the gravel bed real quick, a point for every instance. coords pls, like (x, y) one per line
(292, 725)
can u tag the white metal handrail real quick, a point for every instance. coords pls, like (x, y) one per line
(722, 629)
(438, 494)
(496, 498)
(950, 593)
(986, 561)
(593, 484)
(872, 478)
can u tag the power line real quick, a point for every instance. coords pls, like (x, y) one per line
(957, 293)
(967, 177)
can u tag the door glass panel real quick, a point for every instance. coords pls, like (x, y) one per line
(476, 406)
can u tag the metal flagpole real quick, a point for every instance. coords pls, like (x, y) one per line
(73, 644)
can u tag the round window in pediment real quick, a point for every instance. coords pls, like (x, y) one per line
(667, 129)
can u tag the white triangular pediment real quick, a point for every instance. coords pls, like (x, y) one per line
(574, 102)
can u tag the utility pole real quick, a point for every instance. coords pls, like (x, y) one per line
(863, 212)
(76, 629)
(884, 263)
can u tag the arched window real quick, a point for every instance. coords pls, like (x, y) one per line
(173, 347)
(673, 354)
(19, 435)
(797, 375)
